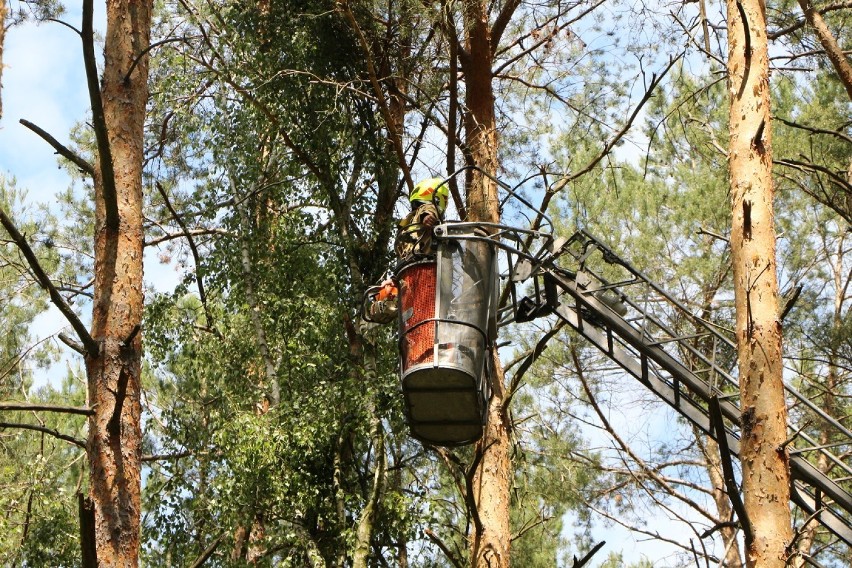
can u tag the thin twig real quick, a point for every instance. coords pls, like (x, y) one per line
(146, 51)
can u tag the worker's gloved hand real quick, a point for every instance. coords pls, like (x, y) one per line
(389, 290)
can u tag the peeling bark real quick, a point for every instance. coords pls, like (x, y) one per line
(766, 477)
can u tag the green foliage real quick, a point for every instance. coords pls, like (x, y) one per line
(39, 479)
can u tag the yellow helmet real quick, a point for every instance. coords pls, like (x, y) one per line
(426, 191)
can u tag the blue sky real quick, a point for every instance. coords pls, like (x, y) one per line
(43, 82)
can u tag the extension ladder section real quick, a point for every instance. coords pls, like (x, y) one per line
(692, 365)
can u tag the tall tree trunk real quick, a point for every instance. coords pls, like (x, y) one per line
(114, 443)
(765, 462)
(367, 520)
(491, 541)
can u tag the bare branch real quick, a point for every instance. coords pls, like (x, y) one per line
(500, 23)
(166, 457)
(66, 24)
(98, 121)
(444, 548)
(529, 359)
(147, 50)
(37, 428)
(90, 344)
(70, 342)
(833, 51)
(836, 133)
(188, 235)
(588, 556)
(62, 150)
(26, 406)
(806, 166)
(208, 552)
(655, 81)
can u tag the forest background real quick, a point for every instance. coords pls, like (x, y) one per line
(290, 484)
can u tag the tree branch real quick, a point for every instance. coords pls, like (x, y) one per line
(530, 358)
(166, 457)
(62, 150)
(588, 556)
(503, 19)
(188, 235)
(110, 195)
(75, 345)
(208, 552)
(836, 133)
(146, 51)
(832, 50)
(833, 177)
(26, 406)
(37, 428)
(199, 281)
(444, 548)
(90, 344)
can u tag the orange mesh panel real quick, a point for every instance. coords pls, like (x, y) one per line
(417, 303)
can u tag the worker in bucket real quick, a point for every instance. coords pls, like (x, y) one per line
(428, 203)
(413, 241)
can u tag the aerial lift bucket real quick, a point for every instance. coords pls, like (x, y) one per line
(445, 306)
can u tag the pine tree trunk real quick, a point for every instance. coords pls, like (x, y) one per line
(491, 542)
(114, 443)
(492, 483)
(765, 463)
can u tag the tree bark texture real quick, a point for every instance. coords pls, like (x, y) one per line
(491, 542)
(114, 443)
(765, 463)
(492, 483)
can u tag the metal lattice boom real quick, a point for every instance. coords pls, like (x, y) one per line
(688, 364)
